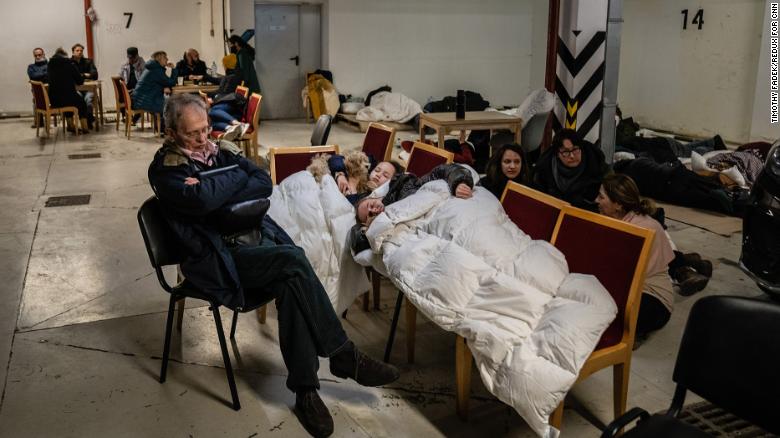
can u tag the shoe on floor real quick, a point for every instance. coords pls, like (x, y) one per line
(690, 281)
(718, 143)
(694, 260)
(313, 414)
(353, 364)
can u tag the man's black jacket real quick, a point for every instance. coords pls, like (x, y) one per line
(208, 263)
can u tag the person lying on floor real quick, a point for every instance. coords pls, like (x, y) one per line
(262, 265)
(672, 182)
(619, 198)
(661, 149)
(571, 169)
(507, 164)
(354, 173)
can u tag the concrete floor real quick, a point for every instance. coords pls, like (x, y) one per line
(82, 321)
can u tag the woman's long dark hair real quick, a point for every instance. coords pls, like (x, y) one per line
(493, 169)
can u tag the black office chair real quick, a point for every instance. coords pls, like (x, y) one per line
(319, 136)
(164, 250)
(729, 355)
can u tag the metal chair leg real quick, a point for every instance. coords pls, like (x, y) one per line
(226, 357)
(393, 326)
(233, 325)
(167, 345)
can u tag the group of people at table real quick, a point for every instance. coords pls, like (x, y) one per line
(572, 169)
(149, 83)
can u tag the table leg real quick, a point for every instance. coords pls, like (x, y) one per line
(100, 103)
(422, 131)
(440, 135)
(518, 131)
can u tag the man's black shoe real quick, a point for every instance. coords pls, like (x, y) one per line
(353, 364)
(313, 413)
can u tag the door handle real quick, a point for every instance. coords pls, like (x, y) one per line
(296, 58)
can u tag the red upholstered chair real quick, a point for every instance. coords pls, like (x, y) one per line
(242, 91)
(616, 253)
(44, 111)
(378, 141)
(287, 160)
(425, 157)
(534, 212)
(422, 159)
(251, 115)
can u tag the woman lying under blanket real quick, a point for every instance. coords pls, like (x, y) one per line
(356, 173)
(529, 323)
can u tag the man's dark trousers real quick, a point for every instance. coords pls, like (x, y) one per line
(308, 325)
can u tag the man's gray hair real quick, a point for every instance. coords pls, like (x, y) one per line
(175, 106)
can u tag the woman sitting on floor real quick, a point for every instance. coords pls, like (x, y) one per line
(571, 170)
(619, 198)
(507, 164)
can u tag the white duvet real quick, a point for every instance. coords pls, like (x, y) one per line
(529, 323)
(318, 218)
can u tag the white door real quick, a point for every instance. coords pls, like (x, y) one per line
(287, 42)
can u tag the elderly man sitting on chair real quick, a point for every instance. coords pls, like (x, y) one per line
(230, 269)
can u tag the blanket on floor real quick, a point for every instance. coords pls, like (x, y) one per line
(529, 323)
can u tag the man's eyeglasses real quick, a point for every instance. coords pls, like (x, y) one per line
(568, 152)
(195, 135)
(38, 55)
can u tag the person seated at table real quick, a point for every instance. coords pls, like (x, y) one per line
(88, 70)
(571, 169)
(38, 70)
(191, 68)
(260, 268)
(229, 82)
(246, 62)
(132, 69)
(507, 164)
(64, 76)
(154, 84)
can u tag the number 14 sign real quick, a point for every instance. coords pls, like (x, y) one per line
(697, 19)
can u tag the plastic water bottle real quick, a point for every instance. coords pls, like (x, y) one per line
(212, 71)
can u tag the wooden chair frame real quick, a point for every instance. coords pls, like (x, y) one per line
(50, 111)
(130, 113)
(432, 149)
(411, 311)
(535, 194)
(618, 355)
(250, 140)
(117, 92)
(290, 150)
(242, 90)
(390, 141)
